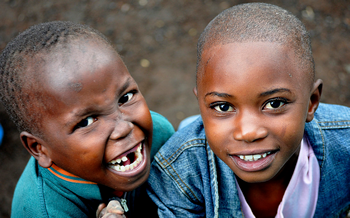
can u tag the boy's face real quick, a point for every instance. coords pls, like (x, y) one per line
(95, 117)
(254, 101)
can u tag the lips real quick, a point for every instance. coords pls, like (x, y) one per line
(254, 157)
(128, 161)
(254, 162)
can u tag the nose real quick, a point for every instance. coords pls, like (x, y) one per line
(249, 127)
(122, 129)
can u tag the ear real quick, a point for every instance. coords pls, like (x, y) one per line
(314, 99)
(195, 92)
(35, 147)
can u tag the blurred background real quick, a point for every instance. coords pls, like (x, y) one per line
(157, 40)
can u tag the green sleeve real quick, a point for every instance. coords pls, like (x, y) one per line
(162, 130)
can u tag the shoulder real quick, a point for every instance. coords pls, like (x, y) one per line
(160, 123)
(181, 166)
(329, 116)
(26, 198)
(43, 192)
(328, 113)
(329, 130)
(162, 130)
(328, 135)
(186, 142)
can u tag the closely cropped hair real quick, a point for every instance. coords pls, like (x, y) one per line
(258, 22)
(38, 39)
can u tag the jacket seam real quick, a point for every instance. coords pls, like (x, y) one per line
(40, 187)
(181, 149)
(169, 173)
(323, 146)
(335, 126)
(335, 121)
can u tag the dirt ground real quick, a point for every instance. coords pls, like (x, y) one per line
(157, 40)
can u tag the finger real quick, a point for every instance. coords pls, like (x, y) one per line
(110, 215)
(101, 210)
(115, 207)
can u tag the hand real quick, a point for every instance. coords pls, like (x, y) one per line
(113, 210)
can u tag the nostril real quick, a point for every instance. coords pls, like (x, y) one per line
(251, 135)
(121, 130)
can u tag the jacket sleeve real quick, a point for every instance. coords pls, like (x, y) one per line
(172, 196)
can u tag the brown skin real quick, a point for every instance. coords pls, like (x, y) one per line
(254, 99)
(94, 113)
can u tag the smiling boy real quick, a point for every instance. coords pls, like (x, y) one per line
(83, 119)
(260, 148)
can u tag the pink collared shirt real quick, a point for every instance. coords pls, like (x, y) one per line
(300, 197)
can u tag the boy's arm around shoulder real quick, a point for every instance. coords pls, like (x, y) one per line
(176, 179)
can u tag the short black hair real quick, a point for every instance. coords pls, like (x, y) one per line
(258, 22)
(36, 40)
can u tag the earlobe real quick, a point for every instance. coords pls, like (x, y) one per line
(35, 147)
(195, 92)
(314, 99)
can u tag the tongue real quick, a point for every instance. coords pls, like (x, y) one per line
(127, 162)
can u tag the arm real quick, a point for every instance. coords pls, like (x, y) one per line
(173, 197)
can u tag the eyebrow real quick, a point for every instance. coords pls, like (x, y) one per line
(86, 111)
(267, 93)
(273, 91)
(125, 85)
(218, 94)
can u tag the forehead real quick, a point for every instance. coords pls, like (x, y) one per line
(248, 60)
(77, 58)
(83, 67)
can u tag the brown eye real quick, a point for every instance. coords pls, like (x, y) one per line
(125, 98)
(274, 104)
(86, 122)
(223, 108)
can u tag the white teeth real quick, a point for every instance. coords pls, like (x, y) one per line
(249, 157)
(138, 156)
(254, 157)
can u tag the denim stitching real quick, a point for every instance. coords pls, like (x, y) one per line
(179, 151)
(323, 145)
(165, 168)
(185, 144)
(212, 165)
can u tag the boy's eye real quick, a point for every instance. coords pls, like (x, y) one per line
(125, 98)
(274, 104)
(86, 122)
(223, 107)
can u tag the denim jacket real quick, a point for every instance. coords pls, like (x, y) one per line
(188, 180)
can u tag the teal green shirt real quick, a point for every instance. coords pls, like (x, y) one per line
(47, 192)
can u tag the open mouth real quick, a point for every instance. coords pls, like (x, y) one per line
(254, 162)
(254, 157)
(128, 161)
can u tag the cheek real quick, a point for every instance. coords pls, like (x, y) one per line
(291, 133)
(218, 135)
(143, 117)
